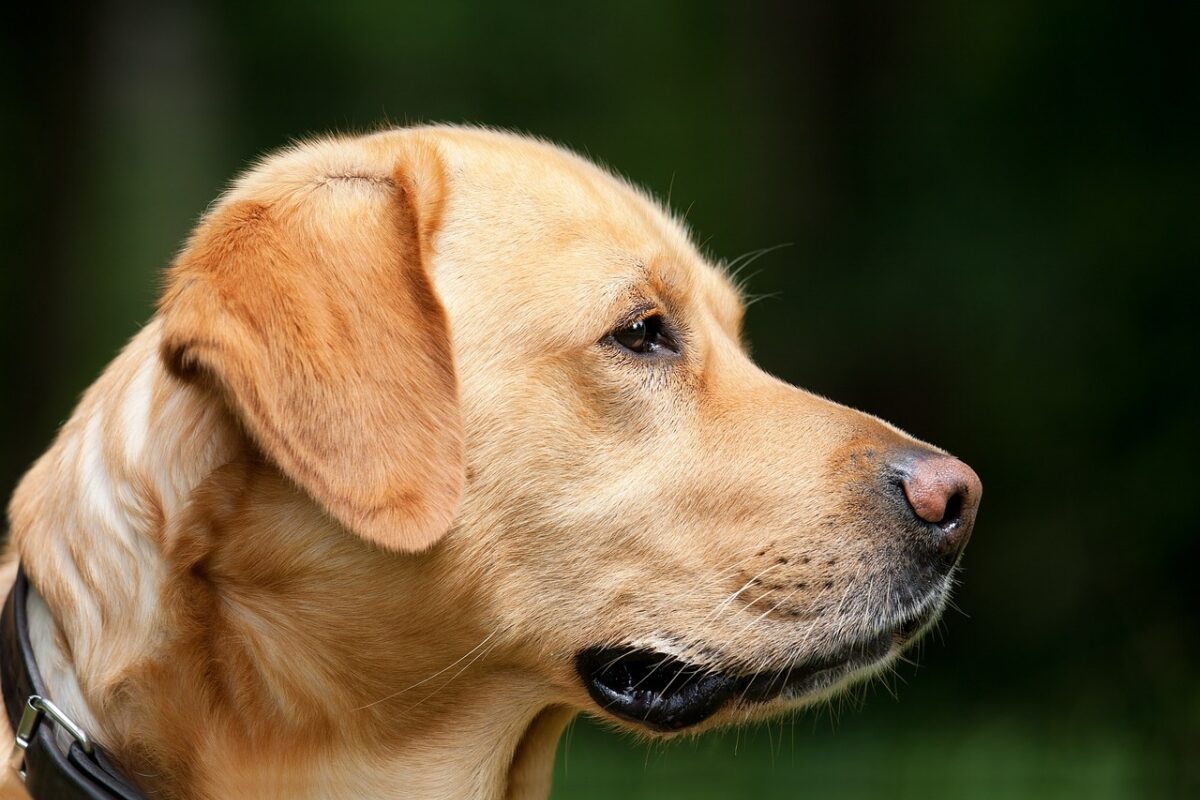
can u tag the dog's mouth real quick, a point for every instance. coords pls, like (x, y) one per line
(664, 693)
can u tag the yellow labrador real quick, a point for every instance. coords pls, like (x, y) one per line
(440, 436)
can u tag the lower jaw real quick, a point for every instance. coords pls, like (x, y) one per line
(666, 695)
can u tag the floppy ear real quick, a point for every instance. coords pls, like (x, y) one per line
(310, 307)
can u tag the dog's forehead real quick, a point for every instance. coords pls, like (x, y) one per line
(533, 223)
(542, 191)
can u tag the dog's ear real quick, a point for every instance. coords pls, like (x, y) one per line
(310, 306)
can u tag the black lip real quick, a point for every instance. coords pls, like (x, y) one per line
(665, 694)
(650, 688)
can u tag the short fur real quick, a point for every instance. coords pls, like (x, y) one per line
(336, 521)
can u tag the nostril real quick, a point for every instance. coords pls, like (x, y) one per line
(952, 513)
(941, 492)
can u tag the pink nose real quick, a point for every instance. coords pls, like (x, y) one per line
(944, 493)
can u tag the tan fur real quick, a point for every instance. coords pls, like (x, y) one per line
(337, 520)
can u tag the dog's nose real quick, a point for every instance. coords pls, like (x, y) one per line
(943, 493)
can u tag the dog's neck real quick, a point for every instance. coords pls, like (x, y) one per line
(223, 637)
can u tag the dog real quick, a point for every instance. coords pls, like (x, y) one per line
(438, 437)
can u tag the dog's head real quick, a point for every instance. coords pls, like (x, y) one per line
(485, 350)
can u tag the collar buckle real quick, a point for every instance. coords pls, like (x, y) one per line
(31, 716)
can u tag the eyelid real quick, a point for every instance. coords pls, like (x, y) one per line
(641, 312)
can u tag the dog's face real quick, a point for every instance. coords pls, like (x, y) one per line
(651, 525)
(682, 534)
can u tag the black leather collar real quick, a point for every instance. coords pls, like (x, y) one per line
(83, 771)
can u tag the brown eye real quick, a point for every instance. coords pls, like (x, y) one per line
(644, 336)
(633, 338)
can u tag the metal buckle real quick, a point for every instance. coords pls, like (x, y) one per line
(31, 715)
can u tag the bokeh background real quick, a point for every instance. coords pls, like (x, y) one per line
(990, 212)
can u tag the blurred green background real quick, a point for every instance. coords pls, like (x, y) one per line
(992, 217)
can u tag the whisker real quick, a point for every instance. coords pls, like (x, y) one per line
(431, 677)
(450, 680)
(734, 268)
(755, 298)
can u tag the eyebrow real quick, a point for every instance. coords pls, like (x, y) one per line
(608, 303)
(614, 300)
(624, 299)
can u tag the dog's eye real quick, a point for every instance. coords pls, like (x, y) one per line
(645, 336)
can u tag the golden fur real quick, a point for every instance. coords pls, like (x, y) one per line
(336, 521)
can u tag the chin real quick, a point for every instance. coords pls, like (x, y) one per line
(654, 687)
